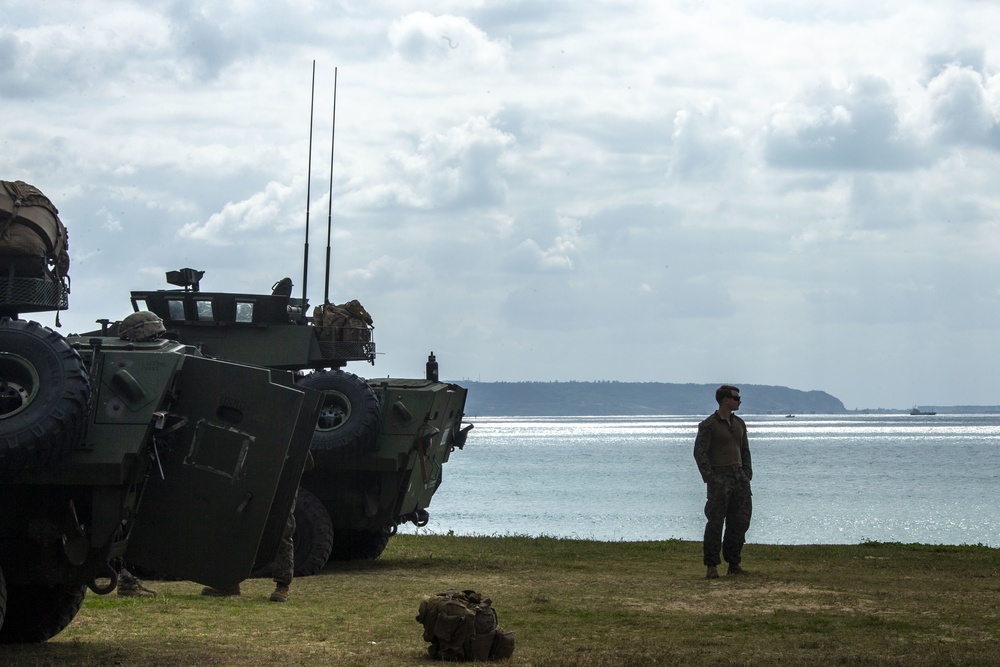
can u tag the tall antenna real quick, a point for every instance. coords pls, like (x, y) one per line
(329, 210)
(305, 252)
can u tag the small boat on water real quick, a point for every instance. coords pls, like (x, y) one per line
(916, 411)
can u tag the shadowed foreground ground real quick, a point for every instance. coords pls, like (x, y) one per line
(572, 602)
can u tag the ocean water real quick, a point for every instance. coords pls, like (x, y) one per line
(818, 479)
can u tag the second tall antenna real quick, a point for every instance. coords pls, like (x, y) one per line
(329, 212)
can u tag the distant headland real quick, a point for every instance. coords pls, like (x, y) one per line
(553, 399)
(603, 398)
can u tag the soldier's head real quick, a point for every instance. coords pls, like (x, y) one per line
(141, 326)
(727, 391)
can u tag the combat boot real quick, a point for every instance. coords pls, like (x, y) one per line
(713, 572)
(280, 593)
(136, 590)
(216, 593)
(130, 586)
(734, 568)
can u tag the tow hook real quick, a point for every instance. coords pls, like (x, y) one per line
(112, 582)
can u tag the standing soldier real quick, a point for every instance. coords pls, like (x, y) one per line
(283, 567)
(722, 452)
(284, 562)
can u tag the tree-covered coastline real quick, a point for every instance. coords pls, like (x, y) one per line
(604, 398)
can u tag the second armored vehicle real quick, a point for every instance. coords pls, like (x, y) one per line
(379, 445)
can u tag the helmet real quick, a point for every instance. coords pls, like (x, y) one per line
(141, 326)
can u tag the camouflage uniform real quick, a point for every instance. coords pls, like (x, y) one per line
(284, 562)
(722, 452)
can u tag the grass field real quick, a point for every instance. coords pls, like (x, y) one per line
(572, 602)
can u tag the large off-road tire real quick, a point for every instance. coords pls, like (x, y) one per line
(359, 544)
(313, 535)
(44, 391)
(37, 613)
(349, 420)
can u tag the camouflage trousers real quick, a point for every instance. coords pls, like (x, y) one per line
(127, 580)
(284, 562)
(730, 503)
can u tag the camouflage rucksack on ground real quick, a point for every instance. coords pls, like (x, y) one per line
(461, 625)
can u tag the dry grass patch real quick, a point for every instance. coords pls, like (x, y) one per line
(767, 598)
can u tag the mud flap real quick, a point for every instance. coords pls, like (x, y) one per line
(241, 450)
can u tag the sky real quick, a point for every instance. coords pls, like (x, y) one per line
(783, 192)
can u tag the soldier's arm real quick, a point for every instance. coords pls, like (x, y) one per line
(745, 454)
(701, 445)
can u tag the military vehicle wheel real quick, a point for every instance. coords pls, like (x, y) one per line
(44, 390)
(359, 544)
(349, 419)
(37, 613)
(313, 535)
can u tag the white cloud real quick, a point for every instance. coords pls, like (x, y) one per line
(843, 125)
(422, 37)
(966, 106)
(704, 146)
(111, 223)
(264, 213)
(792, 192)
(459, 166)
(557, 257)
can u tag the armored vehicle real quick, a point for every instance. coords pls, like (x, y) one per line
(379, 445)
(126, 446)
